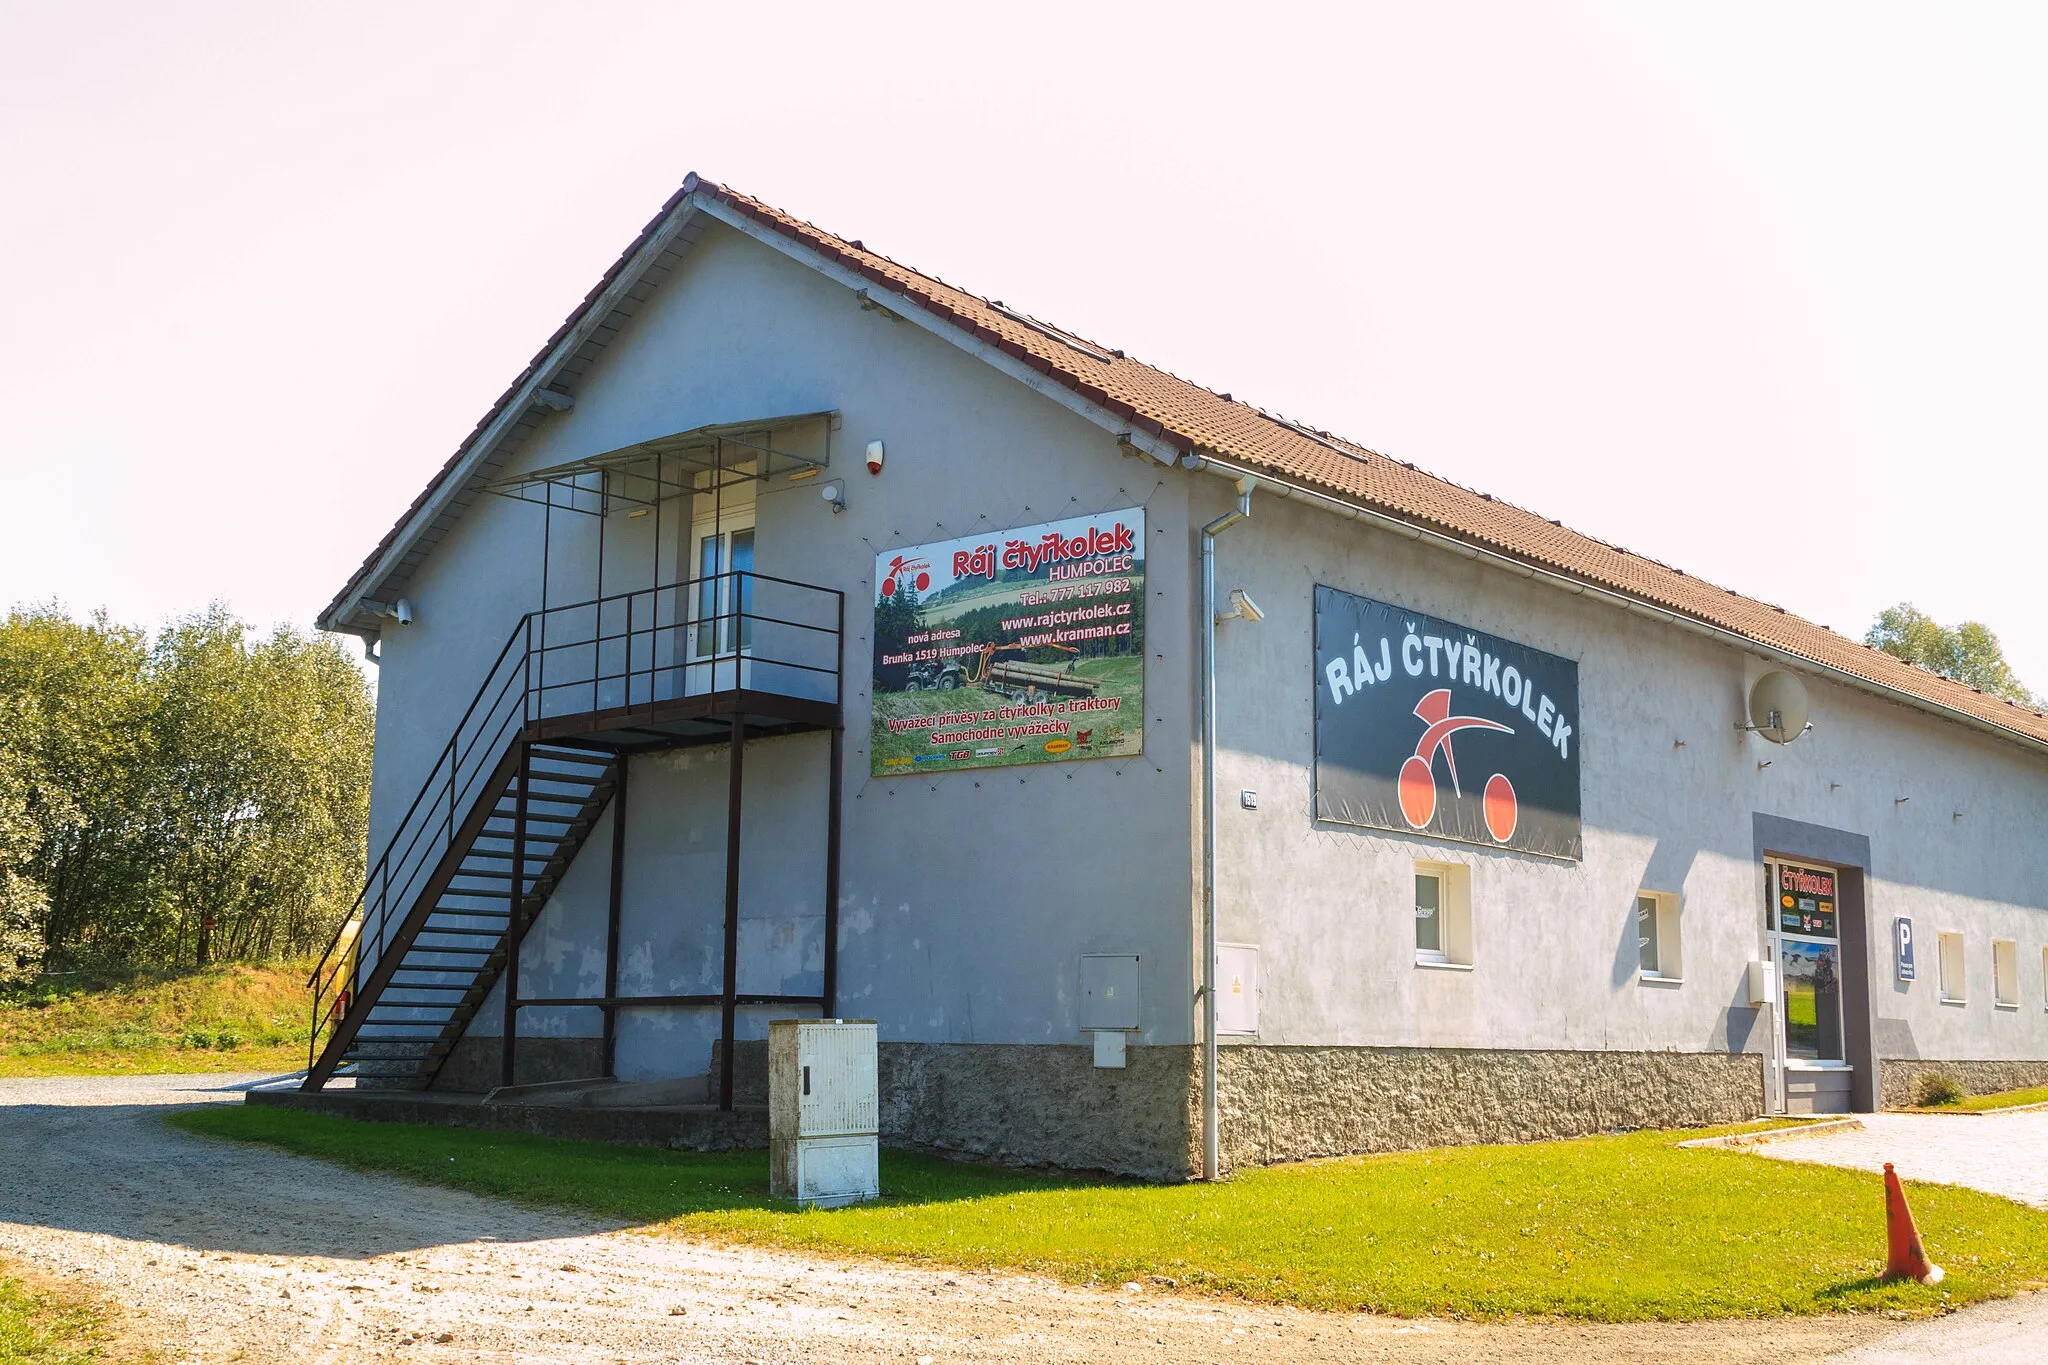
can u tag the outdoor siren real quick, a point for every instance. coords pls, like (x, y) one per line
(1777, 707)
(874, 457)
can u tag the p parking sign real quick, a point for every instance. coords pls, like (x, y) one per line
(1902, 947)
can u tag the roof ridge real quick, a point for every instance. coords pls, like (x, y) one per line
(1190, 417)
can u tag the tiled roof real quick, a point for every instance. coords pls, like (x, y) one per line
(1199, 420)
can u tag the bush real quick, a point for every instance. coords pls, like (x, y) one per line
(1935, 1089)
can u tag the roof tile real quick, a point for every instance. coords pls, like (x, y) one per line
(1195, 419)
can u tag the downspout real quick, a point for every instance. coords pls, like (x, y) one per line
(1211, 1109)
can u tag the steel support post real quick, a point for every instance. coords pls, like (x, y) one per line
(836, 782)
(611, 932)
(515, 895)
(728, 1004)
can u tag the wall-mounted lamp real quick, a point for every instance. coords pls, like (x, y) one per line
(835, 494)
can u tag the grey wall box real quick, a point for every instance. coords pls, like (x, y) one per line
(1109, 991)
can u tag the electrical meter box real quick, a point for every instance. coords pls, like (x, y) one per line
(1109, 991)
(1237, 988)
(1763, 988)
(823, 1111)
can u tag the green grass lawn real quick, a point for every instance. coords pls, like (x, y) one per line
(1621, 1228)
(44, 1323)
(2003, 1099)
(216, 1019)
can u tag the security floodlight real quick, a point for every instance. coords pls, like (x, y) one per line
(1242, 608)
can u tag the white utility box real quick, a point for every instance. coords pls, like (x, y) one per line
(1763, 986)
(823, 1111)
(1237, 988)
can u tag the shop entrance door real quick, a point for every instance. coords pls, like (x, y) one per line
(1814, 1074)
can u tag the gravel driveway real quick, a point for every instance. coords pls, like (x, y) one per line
(218, 1251)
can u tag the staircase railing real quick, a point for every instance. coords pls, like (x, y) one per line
(719, 633)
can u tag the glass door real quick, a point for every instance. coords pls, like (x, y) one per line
(1806, 947)
(721, 608)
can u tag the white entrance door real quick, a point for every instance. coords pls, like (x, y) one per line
(1806, 947)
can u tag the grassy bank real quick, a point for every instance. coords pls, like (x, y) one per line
(44, 1322)
(2003, 1099)
(218, 1019)
(1623, 1228)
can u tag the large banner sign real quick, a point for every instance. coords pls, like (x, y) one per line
(1425, 727)
(1023, 646)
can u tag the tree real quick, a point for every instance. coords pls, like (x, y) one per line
(897, 617)
(78, 700)
(23, 906)
(198, 798)
(1968, 653)
(264, 754)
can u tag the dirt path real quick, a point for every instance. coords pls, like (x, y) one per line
(219, 1252)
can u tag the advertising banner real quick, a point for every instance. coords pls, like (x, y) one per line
(1426, 727)
(1020, 646)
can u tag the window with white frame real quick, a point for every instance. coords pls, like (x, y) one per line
(1951, 955)
(1658, 950)
(2005, 973)
(1443, 915)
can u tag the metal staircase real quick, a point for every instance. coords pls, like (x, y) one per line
(513, 795)
(449, 953)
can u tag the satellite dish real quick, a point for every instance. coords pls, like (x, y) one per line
(1777, 707)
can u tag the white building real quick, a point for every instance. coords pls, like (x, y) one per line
(913, 583)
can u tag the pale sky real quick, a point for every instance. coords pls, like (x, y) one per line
(1761, 291)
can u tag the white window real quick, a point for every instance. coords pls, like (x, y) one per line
(1657, 942)
(1443, 915)
(2005, 974)
(1952, 991)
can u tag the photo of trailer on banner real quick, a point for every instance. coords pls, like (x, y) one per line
(1019, 646)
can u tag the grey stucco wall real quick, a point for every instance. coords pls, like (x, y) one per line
(967, 899)
(1670, 793)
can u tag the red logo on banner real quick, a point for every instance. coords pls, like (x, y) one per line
(1417, 786)
(898, 567)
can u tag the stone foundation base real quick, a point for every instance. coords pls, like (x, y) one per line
(1024, 1104)
(1048, 1105)
(1292, 1103)
(472, 1068)
(1901, 1077)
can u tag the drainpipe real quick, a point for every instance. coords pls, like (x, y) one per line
(1211, 1110)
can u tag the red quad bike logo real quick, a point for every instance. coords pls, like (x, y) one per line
(900, 566)
(1417, 786)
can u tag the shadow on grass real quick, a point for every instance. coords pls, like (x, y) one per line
(630, 1183)
(1558, 1228)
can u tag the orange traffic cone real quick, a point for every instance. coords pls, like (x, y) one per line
(1905, 1258)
